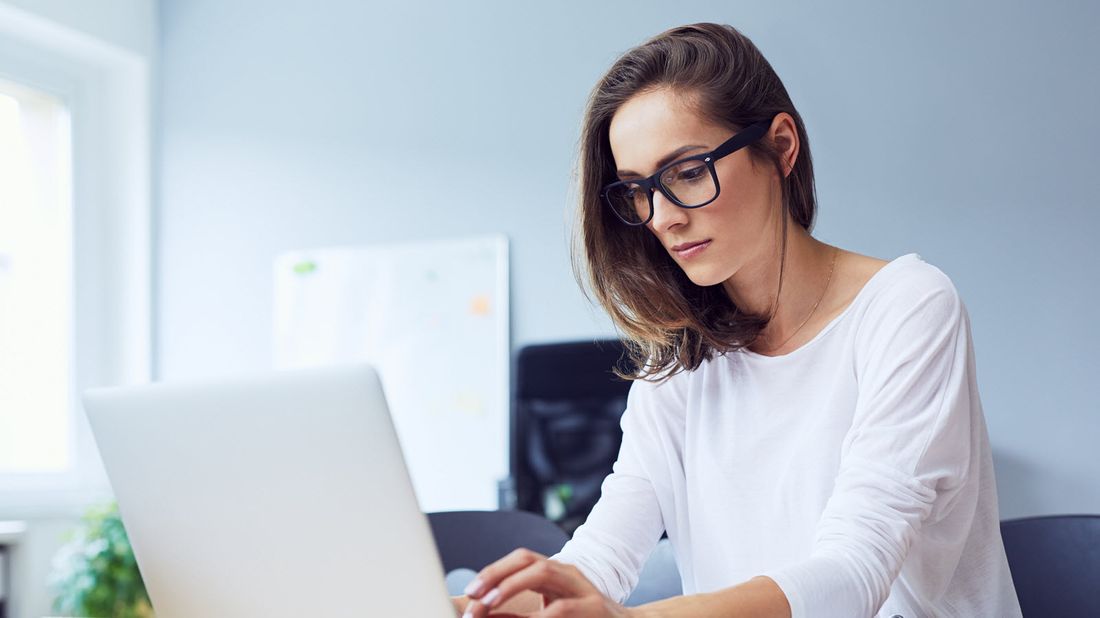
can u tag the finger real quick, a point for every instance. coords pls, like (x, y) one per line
(491, 575)
(471, 610)
(561, 608)
(476, 609)
(547, 577)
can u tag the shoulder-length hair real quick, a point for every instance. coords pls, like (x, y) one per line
(668, 323)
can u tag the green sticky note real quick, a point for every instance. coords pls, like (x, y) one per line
(304, 268)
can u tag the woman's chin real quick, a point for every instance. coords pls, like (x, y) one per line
(703, 277)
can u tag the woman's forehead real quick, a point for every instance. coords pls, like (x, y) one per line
(653, 124)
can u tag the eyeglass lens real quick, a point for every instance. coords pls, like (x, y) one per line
(689, 182)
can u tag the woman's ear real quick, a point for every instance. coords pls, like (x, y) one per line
(784, 136)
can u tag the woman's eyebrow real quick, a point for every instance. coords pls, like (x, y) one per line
(668, 158)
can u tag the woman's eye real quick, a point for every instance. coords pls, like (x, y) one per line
(692, 173)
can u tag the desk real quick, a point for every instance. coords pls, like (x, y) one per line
(10, 533)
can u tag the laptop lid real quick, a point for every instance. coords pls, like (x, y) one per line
(282, 494)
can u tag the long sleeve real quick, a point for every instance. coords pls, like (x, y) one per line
(612, 546)
(906, 460)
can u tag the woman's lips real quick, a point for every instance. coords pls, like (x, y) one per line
(692, 250)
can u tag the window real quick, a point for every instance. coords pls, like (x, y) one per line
(75, 254)
(36, 415)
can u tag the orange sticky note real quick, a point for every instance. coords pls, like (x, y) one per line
(480, 305)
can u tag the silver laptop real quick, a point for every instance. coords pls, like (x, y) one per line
(277, 495)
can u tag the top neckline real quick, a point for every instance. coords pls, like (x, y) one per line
(863, 291)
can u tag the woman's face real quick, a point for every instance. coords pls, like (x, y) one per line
(654, 128)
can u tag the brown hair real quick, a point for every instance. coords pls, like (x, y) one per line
(668, 323)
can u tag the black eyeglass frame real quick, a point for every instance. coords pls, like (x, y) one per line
(652, 183)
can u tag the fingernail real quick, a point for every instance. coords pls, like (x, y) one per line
(468, 614)
(473, 587)
(491, 597)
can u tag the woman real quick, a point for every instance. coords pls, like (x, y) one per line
(806, 424)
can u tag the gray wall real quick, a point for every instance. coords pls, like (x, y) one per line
(965, 133)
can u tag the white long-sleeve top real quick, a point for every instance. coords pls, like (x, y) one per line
(854, 471)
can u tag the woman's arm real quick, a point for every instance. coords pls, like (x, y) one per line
(906, 460)
(620, 532)
(759, 597)
(569, 593)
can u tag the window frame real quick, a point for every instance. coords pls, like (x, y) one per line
(107, 90)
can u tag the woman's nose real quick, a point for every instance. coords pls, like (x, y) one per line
(665, 213)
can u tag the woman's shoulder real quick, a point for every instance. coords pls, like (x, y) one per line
(908, 289)
(670, 385)
(909, 279)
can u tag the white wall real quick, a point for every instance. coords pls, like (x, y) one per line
(130, 24)
(962, 131)
(110, 29)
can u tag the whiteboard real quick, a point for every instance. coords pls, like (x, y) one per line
(432, 317)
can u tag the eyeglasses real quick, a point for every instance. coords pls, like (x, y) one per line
(690, 182)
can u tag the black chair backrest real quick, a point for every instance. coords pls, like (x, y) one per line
(476, 539)
(577, 369)
(565, 426)
(1055, 563)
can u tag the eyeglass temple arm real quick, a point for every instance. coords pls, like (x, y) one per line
(749, 135)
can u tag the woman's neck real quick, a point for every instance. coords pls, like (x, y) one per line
(808, 267)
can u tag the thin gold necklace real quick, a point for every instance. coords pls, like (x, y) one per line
(836, 252)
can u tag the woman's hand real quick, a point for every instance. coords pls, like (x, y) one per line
(524, 604)
(565, 590)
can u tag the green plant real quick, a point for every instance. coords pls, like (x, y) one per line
(95, 574)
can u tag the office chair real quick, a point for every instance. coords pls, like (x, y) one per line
(1055, 564)
(565, 431)
(476, 539)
